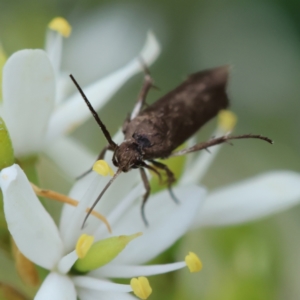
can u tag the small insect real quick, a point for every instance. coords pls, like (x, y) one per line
(157, 130)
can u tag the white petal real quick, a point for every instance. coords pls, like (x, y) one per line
(28, 99)
(250, 199)
(119, 210)
(100, 285)
(58, 287)
(72, 157)
(74, 111)
(167, 223)
(66, 262)
(119, 271)
(32, 228)
(87, 294)
(53, 47)
(72, 218)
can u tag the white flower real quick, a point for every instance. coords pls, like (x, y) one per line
(35, 108)
(43, 117)
(38, 238)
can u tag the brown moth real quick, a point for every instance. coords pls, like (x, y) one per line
(157, 130)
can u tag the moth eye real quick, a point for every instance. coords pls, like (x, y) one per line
(142, 140)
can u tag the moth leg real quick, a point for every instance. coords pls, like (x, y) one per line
(170, 176)
(100, 156)
(153, 170)
(146, 195)
(148, 83)
(219, 140)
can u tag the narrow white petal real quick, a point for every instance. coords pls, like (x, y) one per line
(250, 199)
(115, 194)
(72, 217)
(28, 99)
(58, 287)
(100, 285)
(119, 210)
(53, 48)
(32, 228)
(151, 49)
(129, 271)
(74, 111)
(87, 294)
(168, 221)
(72, 157)
(66, 263)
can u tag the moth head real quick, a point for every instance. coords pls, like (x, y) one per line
(127, 156)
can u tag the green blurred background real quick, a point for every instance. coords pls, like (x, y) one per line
(260, 39)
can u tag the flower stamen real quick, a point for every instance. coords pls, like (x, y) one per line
(226, 120)
(67, 200)
(141, 287)
(102, 168)
(84, 244)
(60, 25)
(193, 262)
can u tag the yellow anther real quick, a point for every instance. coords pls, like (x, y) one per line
(227, 120)
(141, 287)
(193, 262)
(60, 25)
(83, 245)
(102, 168)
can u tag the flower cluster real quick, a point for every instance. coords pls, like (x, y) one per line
(38, 115)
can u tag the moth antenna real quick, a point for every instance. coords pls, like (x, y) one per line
(220, 140)
(251, 136)
(95, 115)
(100, 196)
